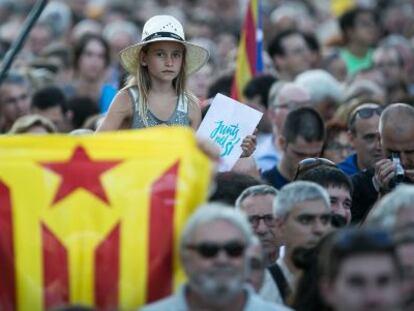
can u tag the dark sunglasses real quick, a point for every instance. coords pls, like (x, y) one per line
(210, 250)
(364, 113)
(309, 163)
(267, 219)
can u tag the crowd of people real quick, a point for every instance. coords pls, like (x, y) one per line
(318, 213)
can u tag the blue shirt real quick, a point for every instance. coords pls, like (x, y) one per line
(350, 165)
(274, 177)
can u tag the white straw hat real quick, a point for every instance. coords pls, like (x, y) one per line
(164, 28)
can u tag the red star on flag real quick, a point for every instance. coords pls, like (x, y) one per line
(80, 171)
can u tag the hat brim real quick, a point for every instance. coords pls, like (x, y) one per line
(196, 56)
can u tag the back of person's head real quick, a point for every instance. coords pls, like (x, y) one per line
(304, 122)
(229, 185)
(347, 243)
(321, 85)
(327, 176)
(259, 86)
(221, 85)
(276, 44)
(82, 108)
(386, 212)
(295, 193)
(49, 97)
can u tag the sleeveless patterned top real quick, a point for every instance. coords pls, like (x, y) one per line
(178, 117)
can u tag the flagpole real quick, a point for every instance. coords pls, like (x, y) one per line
(18, 43)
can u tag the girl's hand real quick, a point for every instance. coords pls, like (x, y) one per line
(248, 146)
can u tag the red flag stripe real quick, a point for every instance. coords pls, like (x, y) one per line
(7, 269)
(161, 235)
(107, 271)
(55, 270)
(250, 33)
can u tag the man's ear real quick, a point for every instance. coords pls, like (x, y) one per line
(281, 142)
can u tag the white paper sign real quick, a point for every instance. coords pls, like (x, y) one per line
(227, 123)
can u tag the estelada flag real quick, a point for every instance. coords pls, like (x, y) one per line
(249, 61)
(95, 220)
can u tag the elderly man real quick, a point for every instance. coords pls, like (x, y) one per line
(213, 251)
(365, 138)
(303, 216)
(257, 203)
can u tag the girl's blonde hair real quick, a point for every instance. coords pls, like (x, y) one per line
(25, 123)
(143, 82)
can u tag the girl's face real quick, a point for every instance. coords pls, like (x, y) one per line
(164, 60)
(92, 61)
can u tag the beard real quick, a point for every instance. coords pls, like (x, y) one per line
(218, 285)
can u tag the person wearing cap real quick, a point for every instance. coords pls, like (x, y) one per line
(156, 93)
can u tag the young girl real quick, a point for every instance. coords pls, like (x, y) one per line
(156, 92)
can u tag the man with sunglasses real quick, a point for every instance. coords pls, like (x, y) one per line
(213, 252)
(303, 216)
(365, 139)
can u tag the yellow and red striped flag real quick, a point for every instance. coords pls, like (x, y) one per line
(249, 61)
(95, 220)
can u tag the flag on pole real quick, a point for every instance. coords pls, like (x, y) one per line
(249, 61)
(95, 220)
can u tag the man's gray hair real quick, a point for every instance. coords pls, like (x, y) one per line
(216, 211)
(254, 191)
(298, 192)
(321, 85)
(384, 215)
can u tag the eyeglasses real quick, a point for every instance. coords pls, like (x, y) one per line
(267, 219)
(364, 113)
(309, 163)
(232, 249)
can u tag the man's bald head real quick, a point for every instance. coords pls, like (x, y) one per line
(397, 118)
(397, 133)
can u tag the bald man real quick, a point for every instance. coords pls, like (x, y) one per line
(396, 128)
(397, 137)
